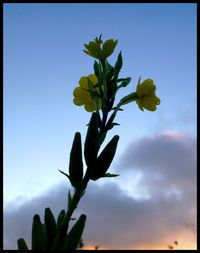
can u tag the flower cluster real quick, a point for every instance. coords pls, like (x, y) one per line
(107, 81)
(83, 93)
(100, 50)
(146, 97)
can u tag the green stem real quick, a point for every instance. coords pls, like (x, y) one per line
(104, 79)
(103, 122)
(112, 117)
(78, 193)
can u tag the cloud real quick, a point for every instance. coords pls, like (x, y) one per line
(116, 220)
(166, 161)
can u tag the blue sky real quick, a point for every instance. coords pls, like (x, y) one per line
(44, 60)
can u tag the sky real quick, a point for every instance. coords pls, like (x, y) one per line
(153, 200)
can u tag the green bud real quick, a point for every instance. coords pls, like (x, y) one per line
(50, 226)
(95, 50)
(22, 244)
(105, 158)
(91, 142)
(39, 239)
(60, 219)
(108, 48)
(76, 163)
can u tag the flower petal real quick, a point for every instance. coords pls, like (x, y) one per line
(93, 79)
(146, 88)
(83, 82)
(90, 106)
(77, 102)
(108, 47)
(150, 103)
(81, 95)
(94, 50)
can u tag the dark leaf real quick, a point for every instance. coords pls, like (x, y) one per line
(74, 236)
(39, 239)
(118, 66)
(21, 244)
(76, 163)
(69, 199)
(112, 125)
(124, 83)
(50, 226)
(60, 219)
(96, 69)
(91, 141)
(65, 174)
(111, 175)
(105, 158)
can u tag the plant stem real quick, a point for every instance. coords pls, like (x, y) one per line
(103, 122)
(104, 79)
(78, 193)
(110, 121)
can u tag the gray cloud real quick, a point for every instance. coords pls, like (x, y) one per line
(115, 219)
(166, 161)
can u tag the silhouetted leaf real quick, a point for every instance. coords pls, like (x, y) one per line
(74, 236)
(124, 83)
(91, 142)
(50, 226)
(60, 219)
(111, 175)
(69, 199)
(105, 158)
(21, 244)
(39, 239)
(75, 162)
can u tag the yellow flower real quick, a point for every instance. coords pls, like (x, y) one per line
(146, 97)
(95, 50)
(82, 94)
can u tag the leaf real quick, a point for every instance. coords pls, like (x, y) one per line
(50, 226)
(124, 83)
(111, 103)
(109, 71)
(69, 199)
(58, 242)
(129, 98)
(96, 69)
(102, 137)
(112, 125)
(105, 158)
(112, 89)
(74, 236)
(118, 66)
(91, 141)
(75, 162)
(39, 239)
(60, 238)
(60, 219)
(111, 175)
(120, 80)
(22, 244)
(65, 174)
(116, 109)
